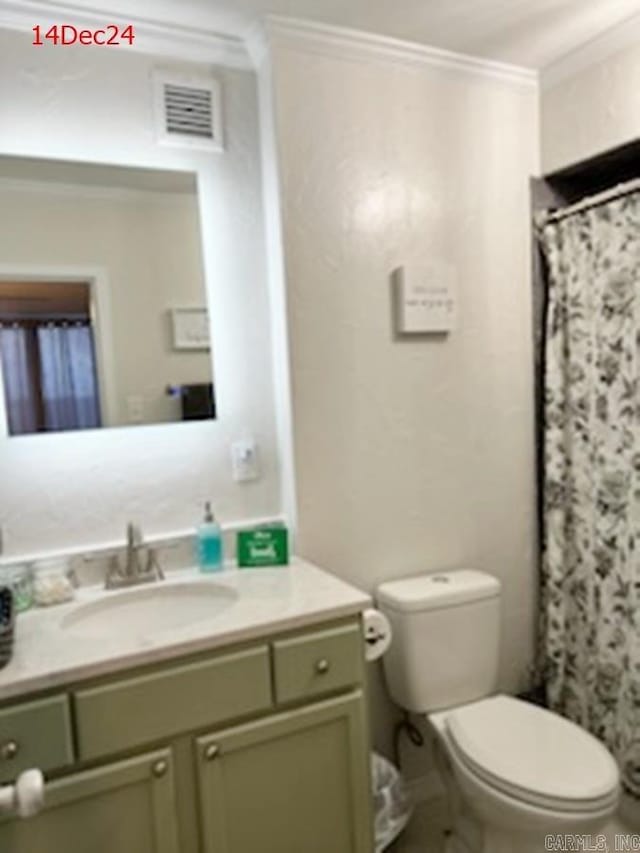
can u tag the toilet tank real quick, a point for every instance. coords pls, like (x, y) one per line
(446, 638)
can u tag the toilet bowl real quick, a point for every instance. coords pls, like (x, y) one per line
(515, 773)
(522, 773)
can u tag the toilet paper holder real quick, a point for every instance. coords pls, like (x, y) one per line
(377, 634)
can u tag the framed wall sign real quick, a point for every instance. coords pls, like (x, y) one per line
(190, 328)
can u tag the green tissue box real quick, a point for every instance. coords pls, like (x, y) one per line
(265, 546)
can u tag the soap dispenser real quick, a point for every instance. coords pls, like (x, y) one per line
(209, 543)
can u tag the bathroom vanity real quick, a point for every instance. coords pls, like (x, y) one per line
(246, 733)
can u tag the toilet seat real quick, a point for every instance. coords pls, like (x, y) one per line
(533, 755)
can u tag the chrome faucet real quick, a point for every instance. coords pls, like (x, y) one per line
(140, 566)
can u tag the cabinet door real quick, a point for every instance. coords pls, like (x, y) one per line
(297, 782)
(126, 807)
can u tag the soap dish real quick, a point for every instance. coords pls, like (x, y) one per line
(7, 622)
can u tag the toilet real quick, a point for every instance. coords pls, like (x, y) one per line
(515, 773)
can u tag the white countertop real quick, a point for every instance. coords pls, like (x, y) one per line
(267, 601)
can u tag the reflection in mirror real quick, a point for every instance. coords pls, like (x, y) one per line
(48, 356)
(103, 311)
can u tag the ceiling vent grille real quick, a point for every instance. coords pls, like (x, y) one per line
(188, 111)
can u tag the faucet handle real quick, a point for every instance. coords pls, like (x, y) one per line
(153, 564)
(114, 573)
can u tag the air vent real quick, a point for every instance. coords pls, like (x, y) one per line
(188, 111)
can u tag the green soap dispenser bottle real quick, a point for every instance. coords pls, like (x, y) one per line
(209, 543)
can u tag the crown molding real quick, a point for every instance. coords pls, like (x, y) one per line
(604, 46)
(196, 45)
(366, 47)
(151, 37)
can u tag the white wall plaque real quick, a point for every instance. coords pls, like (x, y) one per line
(426, 299)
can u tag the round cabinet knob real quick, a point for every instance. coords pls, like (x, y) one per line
(212, 752)
(160, 768)
(323, 666)
(9, 750)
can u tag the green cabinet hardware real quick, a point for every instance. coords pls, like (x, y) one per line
(35, 734)
(296, 782)
(148, 708)
(314, 664)
(128, 807)
(211, 752)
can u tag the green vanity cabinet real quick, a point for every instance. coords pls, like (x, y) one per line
(257, 748)
(130, 712)
(294, 782)
(124, 807)
(35, 734)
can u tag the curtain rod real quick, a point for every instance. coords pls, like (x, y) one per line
(619, 191)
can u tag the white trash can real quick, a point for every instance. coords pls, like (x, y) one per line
(391, 804)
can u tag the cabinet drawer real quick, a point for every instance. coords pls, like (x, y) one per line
(35, 734)
(148, 708)
(314, 664)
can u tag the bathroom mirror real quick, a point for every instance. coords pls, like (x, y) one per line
(103, 311)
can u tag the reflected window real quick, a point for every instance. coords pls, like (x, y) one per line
(48, 357)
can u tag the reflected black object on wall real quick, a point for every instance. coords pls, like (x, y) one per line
(197, 401)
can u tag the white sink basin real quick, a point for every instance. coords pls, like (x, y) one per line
(148, 611)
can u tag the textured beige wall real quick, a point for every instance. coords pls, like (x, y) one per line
(410, 455)
(591, 111)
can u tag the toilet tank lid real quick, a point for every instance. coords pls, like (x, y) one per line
(437, 589)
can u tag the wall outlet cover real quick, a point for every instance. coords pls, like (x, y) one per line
(244, 460)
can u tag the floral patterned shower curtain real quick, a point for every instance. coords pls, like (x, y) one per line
(591, 556)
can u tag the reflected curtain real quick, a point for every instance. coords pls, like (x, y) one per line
(49, 377)
(68, 378)
(20, 391)
(591, 576)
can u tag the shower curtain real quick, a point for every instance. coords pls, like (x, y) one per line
(591, 491)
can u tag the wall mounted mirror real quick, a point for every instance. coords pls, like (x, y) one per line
(103, 311)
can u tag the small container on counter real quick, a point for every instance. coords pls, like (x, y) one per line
(51, 582)
(209, 543)
(19, 579)
(7, 624)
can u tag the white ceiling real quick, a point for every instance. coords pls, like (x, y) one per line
(531, 33)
